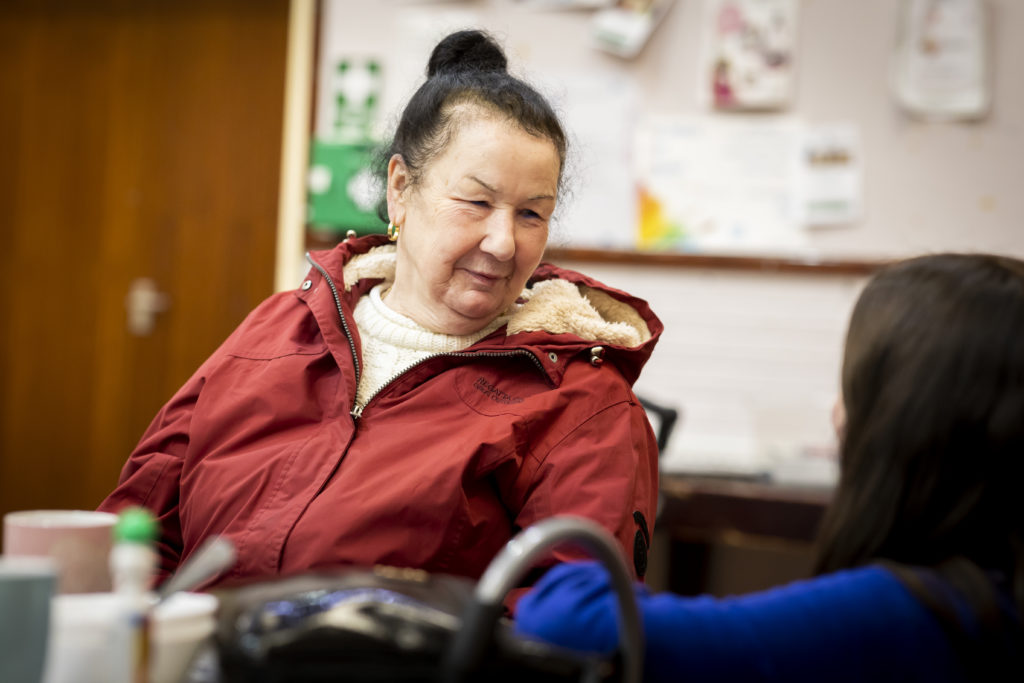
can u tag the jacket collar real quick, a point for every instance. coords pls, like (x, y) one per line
(559, 307)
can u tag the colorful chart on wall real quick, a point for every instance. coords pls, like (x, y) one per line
(737, 186)
(723, 186)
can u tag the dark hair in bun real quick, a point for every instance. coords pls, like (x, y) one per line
(466, 51)
(467, 68)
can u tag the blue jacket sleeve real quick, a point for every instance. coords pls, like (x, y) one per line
(856, 625)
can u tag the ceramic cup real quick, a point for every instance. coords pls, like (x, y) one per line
(27, 585)
(87, 642)
(78, 541)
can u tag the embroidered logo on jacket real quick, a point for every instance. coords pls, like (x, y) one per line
(494, 393)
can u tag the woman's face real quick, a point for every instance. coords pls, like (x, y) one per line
(475, 226)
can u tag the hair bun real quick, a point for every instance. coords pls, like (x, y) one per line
(466, 51)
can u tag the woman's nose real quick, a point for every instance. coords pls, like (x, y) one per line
(499, 238)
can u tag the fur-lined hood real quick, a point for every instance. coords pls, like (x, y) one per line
(556, 307)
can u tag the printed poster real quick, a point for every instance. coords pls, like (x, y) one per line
(749, 55)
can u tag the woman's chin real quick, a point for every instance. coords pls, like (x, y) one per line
(476, 311)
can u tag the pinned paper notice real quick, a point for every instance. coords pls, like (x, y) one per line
(829, 185)
(625, 28)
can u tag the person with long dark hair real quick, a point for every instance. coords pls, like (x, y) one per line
(920, 557)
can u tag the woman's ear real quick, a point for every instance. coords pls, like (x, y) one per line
(839, 417)
(398, 183)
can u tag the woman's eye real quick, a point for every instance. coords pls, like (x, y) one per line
(529, 213)
(478, 202)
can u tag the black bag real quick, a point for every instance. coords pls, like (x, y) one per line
(368, 626)
(387, 624)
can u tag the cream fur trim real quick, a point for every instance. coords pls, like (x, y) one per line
(560, 307)
(554, 306)
(378, 262)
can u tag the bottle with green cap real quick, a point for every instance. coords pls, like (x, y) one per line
(132, 569)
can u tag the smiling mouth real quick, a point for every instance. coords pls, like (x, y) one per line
(485, 277)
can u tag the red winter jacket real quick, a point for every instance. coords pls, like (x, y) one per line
(265, 445)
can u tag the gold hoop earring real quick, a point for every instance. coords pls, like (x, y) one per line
(393, 231)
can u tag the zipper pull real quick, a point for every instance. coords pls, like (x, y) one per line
(357, 411)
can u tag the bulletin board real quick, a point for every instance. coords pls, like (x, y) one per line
(911, 185)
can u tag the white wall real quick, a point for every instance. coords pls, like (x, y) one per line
(927, 186)
(753, 358)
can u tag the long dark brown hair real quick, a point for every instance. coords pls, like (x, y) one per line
(932, 452)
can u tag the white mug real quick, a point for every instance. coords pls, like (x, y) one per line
(89, 640)
(27, 586)
(78, 541)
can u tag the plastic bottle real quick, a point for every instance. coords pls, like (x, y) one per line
(132, 569)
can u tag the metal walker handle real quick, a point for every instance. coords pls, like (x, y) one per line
(519, 556)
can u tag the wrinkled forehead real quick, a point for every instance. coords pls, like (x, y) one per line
(464, 109)
(483, 144)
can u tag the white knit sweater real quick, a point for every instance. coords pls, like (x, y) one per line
(392, 342)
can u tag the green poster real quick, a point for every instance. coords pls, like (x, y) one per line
(343, 190)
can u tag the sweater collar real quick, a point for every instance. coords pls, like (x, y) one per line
(378, 321)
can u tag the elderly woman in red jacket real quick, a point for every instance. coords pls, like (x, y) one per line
(419, 397)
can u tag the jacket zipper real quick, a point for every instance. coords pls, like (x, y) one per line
(357, 410)
(341, 314)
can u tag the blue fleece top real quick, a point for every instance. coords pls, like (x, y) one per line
(854, 625)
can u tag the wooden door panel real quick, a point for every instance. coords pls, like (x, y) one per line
(143, 141)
